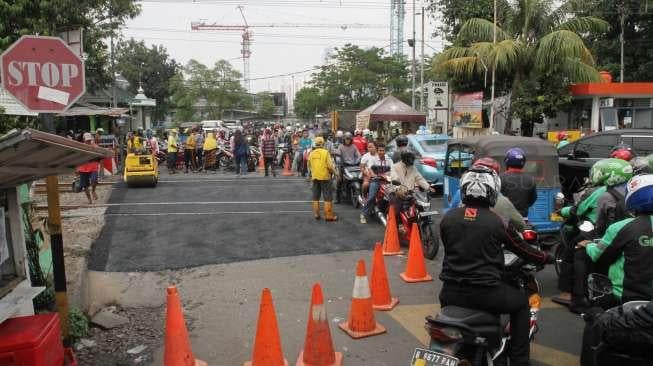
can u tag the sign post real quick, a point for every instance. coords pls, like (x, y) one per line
(46, 76)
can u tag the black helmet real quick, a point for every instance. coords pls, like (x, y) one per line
(402, 140)
(408, 158)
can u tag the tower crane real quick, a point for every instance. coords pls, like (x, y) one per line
(247, 35)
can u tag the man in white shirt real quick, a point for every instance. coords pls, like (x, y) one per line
(373, 164)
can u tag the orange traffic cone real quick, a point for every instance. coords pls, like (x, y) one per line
(267, 344)
(318, 348)
(391, 239)
(261, 164)
(381, 298)
(361, 322)
(177, 350)
(286, 167)
(416, 265)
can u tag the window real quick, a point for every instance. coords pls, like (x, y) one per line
(564, 151)
(535, 169)
(595, 147)
(433, 146)
(459, 159)
(643, 145)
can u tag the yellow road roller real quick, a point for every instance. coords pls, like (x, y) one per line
(141, 170)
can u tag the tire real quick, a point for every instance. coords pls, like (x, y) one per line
(353, 193)
(430, 241)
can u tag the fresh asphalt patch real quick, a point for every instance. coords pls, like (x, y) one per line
(211, 219)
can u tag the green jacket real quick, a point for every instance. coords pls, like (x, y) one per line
(616, 271)
(587, 208)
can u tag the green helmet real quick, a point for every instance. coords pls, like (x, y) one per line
(610, 172)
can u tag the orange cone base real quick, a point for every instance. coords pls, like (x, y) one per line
(393, 302)
(287, 174)
(379, 329)
(413, 280)
(338, 362)
(200, 363)
(393, 253)
(249, 363)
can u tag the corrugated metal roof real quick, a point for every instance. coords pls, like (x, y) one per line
(27, 155)
(92, 110)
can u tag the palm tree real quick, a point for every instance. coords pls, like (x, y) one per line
(537, 38)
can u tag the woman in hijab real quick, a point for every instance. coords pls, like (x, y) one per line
(210, 148)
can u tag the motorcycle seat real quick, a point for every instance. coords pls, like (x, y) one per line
(471, 317)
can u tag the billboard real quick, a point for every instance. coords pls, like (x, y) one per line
(468, 110)
(438, 95)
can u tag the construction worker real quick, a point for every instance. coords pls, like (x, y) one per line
(322, 168)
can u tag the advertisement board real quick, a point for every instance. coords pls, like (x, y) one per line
(468, 110)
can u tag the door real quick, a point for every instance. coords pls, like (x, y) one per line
(457, 161)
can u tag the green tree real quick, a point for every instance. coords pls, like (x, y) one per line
(135, 61)
(452, 14)
(354, 78)
(265, 107)
(538, 39)
(211, 91)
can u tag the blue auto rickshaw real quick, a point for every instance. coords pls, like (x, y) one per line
(541, 163)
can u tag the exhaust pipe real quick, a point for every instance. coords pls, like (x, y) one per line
(381, 217)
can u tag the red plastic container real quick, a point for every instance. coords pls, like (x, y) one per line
(31, 341)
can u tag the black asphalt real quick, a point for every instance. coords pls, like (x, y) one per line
(199, 219)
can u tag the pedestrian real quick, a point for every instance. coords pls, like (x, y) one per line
(305, 144)
(210, 152)
(268, 149)
(88, 173)
(199, 149)
(322, 169)
(240, 150)
(189, 150)
(172, 150)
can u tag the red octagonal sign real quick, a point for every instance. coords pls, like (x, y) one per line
(43, 73)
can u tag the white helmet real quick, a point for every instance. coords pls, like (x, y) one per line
(357, 132)
(480, 184)
(366, 132)
(339, 134)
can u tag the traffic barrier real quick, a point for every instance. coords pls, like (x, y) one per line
(361, 322)
(267, 344)
(318, 347)
(177, 350)
(391, 240)
(416, 265)
(381, 297)
(286, 167)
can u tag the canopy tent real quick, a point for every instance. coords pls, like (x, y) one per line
(388, 109)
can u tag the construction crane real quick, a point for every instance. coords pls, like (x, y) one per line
(247, 35)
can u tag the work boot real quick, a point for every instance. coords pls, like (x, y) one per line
(328, 212)
(316, 210)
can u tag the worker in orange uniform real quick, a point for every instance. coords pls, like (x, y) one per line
(88, 172)
(322, 168)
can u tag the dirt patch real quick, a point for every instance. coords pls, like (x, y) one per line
(131, 344)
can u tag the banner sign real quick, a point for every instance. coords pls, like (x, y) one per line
(468, 110)
(438, 95)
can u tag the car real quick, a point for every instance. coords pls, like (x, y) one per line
(429, 152)
(576, 159)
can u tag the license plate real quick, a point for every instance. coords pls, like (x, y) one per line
(429, 213)
(456, 164)
(556, 217)
(424, 357)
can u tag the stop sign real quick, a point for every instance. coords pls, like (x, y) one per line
(42, 73)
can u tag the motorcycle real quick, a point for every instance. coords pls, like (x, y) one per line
(598, 286)
(478, 338)
(225, 157)
(253, 158)
(283, 150)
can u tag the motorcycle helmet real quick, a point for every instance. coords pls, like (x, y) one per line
(479, 185)
(623, 152)
(562, 135)
(347, 136)
(402, 140)
(488, 163)
(408, 158)
(610, 172)
(639, 194)
(515, 157)
(641, 165)
(357, 132)
(148, 133)
(339, 134)
(366, 132)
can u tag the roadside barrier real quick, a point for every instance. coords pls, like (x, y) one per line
(286, 167)
(361, 322)
(267, 344)
(416, 265)
(177, 350)
(318, 347)
(381, 297)
(391, 239)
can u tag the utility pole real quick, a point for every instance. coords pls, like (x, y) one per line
(494, 66)
(421, 70)
(114, 101)
(414, 71)
(622, 16)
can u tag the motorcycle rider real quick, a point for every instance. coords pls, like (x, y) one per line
(322, 168)
(268, 149)
(563, 139)
(360, 141)
(349, 156)
(627, 247)
(402, 145)
(373, 164)
(152, 142)
(623, 152)
(519, 187)
(472, 268)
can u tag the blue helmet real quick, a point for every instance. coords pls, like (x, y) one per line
(515, 157)
(639, 194)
